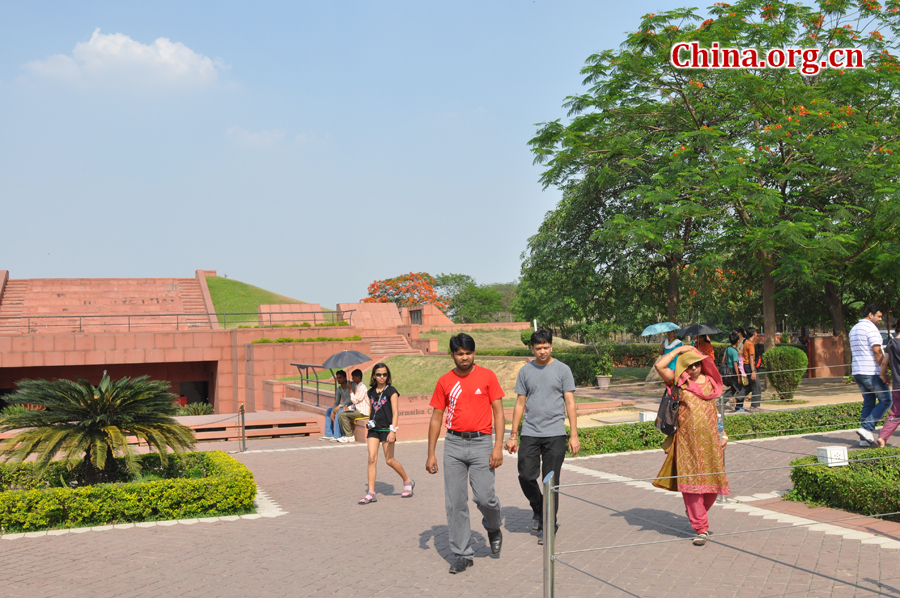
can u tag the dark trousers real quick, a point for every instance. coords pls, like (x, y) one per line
(752, 388)
(538, 456)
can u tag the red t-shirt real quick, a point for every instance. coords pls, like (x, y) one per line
(467, 399)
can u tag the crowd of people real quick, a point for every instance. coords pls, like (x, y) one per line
(467, 401)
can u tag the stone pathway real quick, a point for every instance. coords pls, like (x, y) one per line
(328, 545)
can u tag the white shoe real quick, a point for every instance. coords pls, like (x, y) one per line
(349, 439)
(866, 435)
(342, 439)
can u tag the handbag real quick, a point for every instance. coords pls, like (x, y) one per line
(724, 370)
(667, 416)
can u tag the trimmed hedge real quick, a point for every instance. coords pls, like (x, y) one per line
(636, 355)
(866, 488)
(645, 436)
(316, 339)
(584, 366)
(194, 485)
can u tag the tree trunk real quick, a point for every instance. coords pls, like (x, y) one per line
(91, 475)
(835, 304)
(672, 295)
(768, 298)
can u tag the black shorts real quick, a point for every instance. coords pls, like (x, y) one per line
(380, 435)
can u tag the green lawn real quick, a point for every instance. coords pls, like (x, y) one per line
(232, 296)
(490, 339)
(629, 375)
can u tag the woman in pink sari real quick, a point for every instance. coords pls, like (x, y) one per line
(694, 452)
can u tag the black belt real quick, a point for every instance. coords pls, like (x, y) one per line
(467, 435)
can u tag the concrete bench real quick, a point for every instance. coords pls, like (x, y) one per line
(274, 428)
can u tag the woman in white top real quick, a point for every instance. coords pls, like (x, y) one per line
(670, 345)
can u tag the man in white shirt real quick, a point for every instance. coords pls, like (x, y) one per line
(865, 344)
(359, 406)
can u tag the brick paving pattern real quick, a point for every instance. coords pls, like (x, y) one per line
(328, 545)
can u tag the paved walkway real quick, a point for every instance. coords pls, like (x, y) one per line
(328, 545)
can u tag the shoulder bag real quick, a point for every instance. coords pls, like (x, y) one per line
(667, 416)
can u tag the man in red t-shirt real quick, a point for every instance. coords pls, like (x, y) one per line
(472, 398)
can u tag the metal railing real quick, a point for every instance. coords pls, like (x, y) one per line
(178, 321)
(306, 366)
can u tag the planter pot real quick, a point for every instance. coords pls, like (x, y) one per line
(603, 381)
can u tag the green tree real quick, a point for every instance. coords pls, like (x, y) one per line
(76, 420)
(793, 173)
(467, 301)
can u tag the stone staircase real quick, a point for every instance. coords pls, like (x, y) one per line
(394, 344)
(55, 305)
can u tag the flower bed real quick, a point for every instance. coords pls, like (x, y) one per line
(191, 485)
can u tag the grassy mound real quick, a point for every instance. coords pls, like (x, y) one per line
(232, 296)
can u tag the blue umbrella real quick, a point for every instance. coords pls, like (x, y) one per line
(658, 328)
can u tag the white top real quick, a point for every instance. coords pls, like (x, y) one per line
(863, 337)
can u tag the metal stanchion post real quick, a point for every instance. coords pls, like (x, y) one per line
(243, 431)
(549, 534)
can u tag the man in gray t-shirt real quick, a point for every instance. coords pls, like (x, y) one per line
(546, 395)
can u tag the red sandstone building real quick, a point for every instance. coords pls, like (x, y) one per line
(168, 329)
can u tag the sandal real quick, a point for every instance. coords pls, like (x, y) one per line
(700, 540)
(408, 489)
(369, 497)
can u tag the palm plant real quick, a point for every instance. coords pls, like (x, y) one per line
(78, 420)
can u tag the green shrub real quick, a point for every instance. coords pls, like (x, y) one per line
(192, 485)
(637, 355)
(584, 366)
(317, 339)
(509, 352)
(863, 487)
(778, 359)
(644, 436)
(525, 335)
(341, 323)
(196, 409)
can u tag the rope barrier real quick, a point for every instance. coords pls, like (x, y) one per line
(711, 538)
(695, 475)
(655, 382)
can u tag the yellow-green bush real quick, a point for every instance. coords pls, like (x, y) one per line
(216, 485)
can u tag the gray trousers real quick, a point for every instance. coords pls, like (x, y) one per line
(468, 461)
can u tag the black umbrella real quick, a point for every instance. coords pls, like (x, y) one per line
(345, 359)
(698, 329)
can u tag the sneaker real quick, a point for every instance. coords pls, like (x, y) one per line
(739, 411)
(348, 439)
(537, 522)
(866, 435)
(326, 438)
(864, 444)
(343, 439)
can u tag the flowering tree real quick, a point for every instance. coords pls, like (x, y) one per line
(415, 288)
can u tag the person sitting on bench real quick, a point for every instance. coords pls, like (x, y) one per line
(359, 406)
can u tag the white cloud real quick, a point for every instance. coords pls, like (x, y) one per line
(255, 139)
(116, 59)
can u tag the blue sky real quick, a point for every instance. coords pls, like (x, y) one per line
(308, 148)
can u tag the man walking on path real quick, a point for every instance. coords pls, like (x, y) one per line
(749, 355)
(546, 395)
(472, 398)
(865, 345)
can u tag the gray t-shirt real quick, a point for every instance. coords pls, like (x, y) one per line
(545, 409)
(342, 397)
